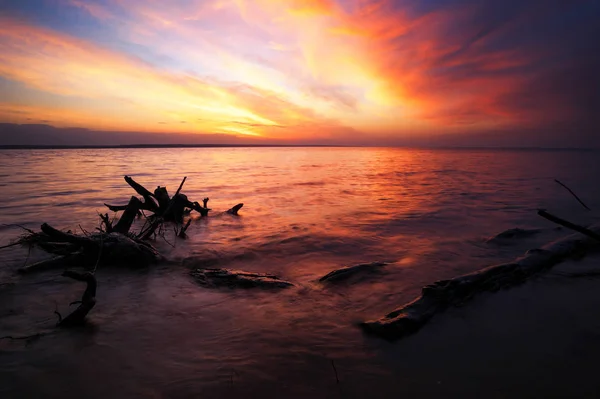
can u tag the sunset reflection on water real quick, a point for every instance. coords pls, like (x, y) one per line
(307, 211)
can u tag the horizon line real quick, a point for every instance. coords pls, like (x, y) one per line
(142, 146)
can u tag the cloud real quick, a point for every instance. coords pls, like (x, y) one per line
(137, 95)
(94, 9)
(304, 68)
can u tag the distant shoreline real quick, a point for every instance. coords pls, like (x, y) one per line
(150, 146)
(93, 147)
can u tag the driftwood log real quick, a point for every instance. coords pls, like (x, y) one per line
(437, 297)
(116, 243)
(113, 245)
(87, 302)
(237, 279)
(351, 271)
(161, 204)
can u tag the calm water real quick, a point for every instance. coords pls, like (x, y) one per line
(307, 211)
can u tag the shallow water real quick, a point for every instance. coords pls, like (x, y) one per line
(307, 211)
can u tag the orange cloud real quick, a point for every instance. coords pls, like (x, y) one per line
(132, 94)
(280, 68)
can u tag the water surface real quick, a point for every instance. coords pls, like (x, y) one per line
(307, 211)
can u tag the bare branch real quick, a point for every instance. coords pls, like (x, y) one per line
(180, 186)
(574, 195)
(569, 225)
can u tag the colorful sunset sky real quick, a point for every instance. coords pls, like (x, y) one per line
(323, 71)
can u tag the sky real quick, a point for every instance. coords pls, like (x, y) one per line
(518, 72)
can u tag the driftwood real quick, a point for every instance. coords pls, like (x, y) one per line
(128, 217)
(58, 236)
(237, 279)
(116, 243)
(182, 234)
(149, 202)
(118, 247)
(347, 272)
(235, 209)
(439, 296)
(160, 203)
(87, 302)
(512, 234)
(565, 223)
(164, 208)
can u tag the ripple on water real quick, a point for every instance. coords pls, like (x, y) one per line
(157, 333)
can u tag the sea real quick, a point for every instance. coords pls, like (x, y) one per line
(432, 214)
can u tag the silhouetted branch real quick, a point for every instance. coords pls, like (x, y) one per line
(568, 224)
(11, 245)
(162, 196)
(108, 228)
(574, 195)
(141, 190)
(235, 209)
(128, 217)
(146, 234)
(184, 229)
(88, 299)
(337, 380)
(180, 186)
(24, 337)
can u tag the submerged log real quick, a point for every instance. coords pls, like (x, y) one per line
(235, 209)
(439, 296)
(87, 302)
(347, 272)
(237, 279)
(511, 234)
(203, 211)
(184, 229)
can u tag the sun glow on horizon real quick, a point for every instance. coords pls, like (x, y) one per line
(285, 69)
